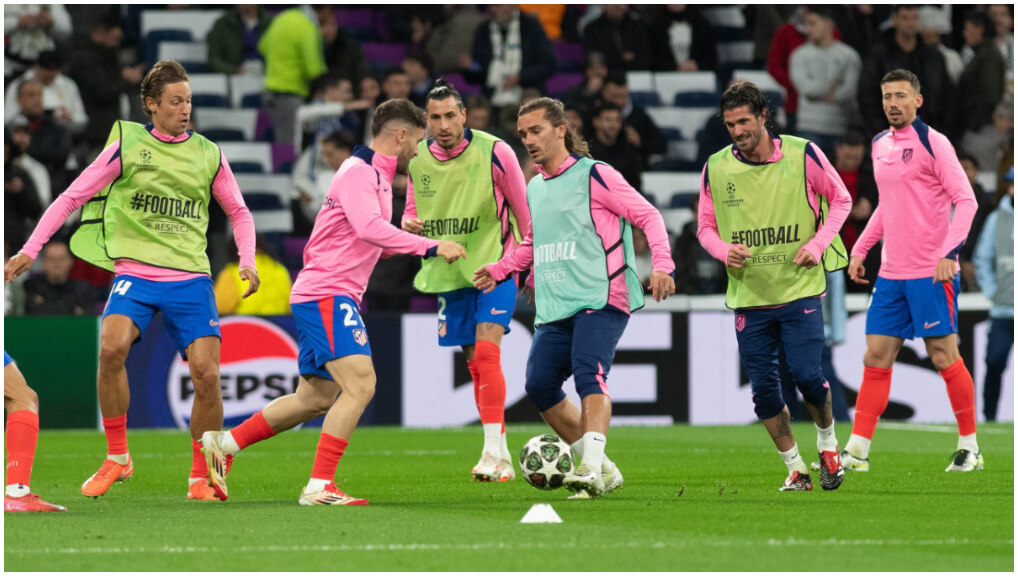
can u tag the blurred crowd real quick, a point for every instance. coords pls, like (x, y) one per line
(72, 70)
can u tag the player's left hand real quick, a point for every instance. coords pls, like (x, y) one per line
(946, 270)
(661, 285)
(483, 280)
(804, 258)
(251, 275)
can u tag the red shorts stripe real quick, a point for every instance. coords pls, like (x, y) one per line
(325, 308)
(949, 291)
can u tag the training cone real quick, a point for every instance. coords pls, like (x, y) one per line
(541, 514)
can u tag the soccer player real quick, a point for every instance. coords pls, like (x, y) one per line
(146, 209)
(585, 283)
(920, 180)
(763, 212)
(21, 405)
(352, 231)
(466, 185)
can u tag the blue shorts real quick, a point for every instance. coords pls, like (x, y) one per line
(7, 359)
(582, 346)
(327, 329)
(913, 308)
(460, 311)
(188, 307)
(799, 328)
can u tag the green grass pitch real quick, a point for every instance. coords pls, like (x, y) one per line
(700, 498)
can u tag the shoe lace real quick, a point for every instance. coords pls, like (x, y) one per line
(331, 487)
(106, 470)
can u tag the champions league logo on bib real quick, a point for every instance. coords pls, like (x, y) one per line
(258, 363)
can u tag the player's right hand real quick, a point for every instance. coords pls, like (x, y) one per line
(17, 266)
(414, 226)
(451, 251)
(856, 271)
(483, 279)
(737, 255)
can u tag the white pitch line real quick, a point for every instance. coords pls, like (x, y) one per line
(945, 428)
(772, 542)
(141, 456)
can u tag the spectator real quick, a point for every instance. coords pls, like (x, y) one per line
(97, 71)
(856, 22)
(21, 201)
(855, 170)
(681, 39)
(640, 130)
(273, 295)
(60, 94)
(981, 86)
(370, 91)
(292, 48)
(762, 23)
(449, 42)
(51, 142)
(610, 145)
(233, 41)
(343, 55)
(825, 74)
(55, 293)
(549, 15)
(696, 271)
(313, 171)
(994, 261)
(622, 36)
(788, 37)
(21, 139)
(417, 65)
(583, 97)
(901, 47)
(1003, 21)
(509, 53)
(1003, 119)
(931, 36)
(31, 29)
(478, 113)
(338, 90)
(970, 165)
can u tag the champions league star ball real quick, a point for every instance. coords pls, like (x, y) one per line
(545, 461)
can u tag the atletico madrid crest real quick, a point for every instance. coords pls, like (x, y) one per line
(906, 155)
(740, 322)
(441, 329)
(360, 337)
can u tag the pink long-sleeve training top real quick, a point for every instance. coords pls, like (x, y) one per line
(104, 170)
(821, 179)
(610, 197)
(353, 229)
(919, 178)
(510, 185)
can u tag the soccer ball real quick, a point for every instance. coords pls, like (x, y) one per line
(545, 461)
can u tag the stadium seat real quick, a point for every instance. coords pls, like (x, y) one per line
(682, 199)
(665, 185)
(688, 121)
(762, 79)
(696, 99)
(569, 57)
(248, 157)
(268, 198)
(229, 125)
(462, 86)
(359, 24)
(155, 37)
(668, 84)
(198, 22)
(210, 91)
(676, 218)
(645, 99)
(559, 84)
(193, 56)
(677, 165)
(988, 178)
(246, 91)
(381, 57)
(640, 81)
